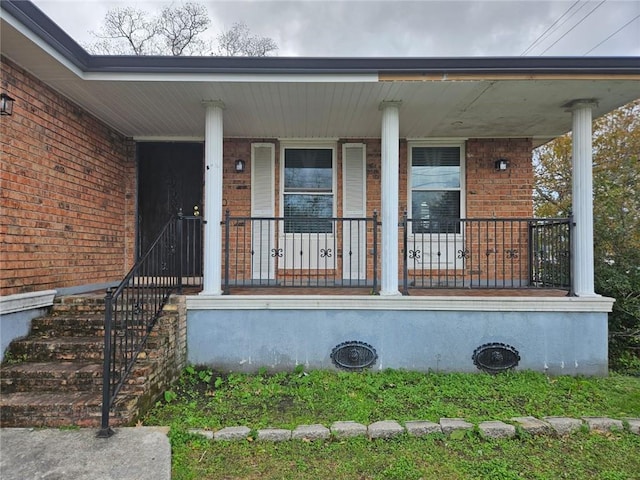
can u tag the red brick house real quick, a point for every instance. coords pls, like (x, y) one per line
(316, 161)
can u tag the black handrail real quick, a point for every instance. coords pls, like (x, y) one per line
(134, 306)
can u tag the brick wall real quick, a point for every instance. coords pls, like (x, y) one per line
(489, 193)
(167, 352)
(67, 192)
(501, 194)
(498, 251)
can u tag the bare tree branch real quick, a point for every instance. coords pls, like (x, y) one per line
(177, 30)
(180, 27)
(238, 41)
(128, 26)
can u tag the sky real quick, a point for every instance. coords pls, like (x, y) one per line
(392, 28)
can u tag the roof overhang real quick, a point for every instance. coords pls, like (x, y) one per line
(279, 97)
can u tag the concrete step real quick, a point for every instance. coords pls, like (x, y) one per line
(53, 409)
(51, 376)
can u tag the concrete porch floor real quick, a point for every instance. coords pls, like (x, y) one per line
(414, 292)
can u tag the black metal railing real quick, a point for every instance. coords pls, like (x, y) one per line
(300, 252)
(486, 253)
(192, 262)
(134, 306)
(550, 253)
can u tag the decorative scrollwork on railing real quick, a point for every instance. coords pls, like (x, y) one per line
(163, 266)
(276, 252)
(512, 253)
(464, 253)
(325, 252)
(415, 254)
(137, 309)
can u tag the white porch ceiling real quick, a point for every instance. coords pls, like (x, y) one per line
(269, 106)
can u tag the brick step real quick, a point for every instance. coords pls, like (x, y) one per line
(70, 324)
(53, 409)
(67, 325)
(69, 376)
(96, 302)
(51, 376)
(122, 304)
(59, 381)
(45, 349)
(82, 326)
(127, 305)
(78, 305)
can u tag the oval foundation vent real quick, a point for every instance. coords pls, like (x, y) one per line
(354, 355)
(495, 357)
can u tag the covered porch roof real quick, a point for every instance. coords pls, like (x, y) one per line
(273, 97)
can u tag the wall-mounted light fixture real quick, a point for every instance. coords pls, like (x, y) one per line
(239, 166)
(6, 104)
(501, 164)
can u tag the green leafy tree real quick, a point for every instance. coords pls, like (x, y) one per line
(616, 176)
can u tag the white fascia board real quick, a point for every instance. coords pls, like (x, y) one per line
(401, 303)
(15, 23)
(232, 77)
(317, 142)
(168, 139)
(26, 301)
(437, 141)
(542, 139)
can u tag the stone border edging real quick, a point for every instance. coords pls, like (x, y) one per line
(492, 429)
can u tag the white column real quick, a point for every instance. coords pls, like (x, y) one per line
(212, 244)
(389, 214)
(582, 195)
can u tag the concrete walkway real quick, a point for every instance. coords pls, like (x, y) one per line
(136, 453)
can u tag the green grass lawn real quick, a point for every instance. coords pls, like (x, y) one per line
(204, 399)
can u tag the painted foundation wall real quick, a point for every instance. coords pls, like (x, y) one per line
(16, 325)
(567, 343)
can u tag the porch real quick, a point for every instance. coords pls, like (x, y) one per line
(306, 291)
(341, 256)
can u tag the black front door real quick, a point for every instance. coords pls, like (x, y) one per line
(170, 178)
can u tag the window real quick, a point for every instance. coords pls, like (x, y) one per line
(308, 190)
(435, 189)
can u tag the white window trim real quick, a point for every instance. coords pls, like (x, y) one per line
(309, 144)
(461, 144)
